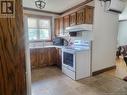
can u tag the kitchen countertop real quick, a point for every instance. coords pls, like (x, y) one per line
(50, 46)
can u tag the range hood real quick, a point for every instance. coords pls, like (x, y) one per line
(79, 28)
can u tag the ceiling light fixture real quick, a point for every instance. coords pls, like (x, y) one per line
(40, 4)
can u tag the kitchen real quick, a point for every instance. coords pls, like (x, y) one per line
(59, 47)
(48, 53)
(72, 49)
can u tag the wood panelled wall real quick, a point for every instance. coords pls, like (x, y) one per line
(12, 54)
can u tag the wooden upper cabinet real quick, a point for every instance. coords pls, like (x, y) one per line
(61, 25)
(73, 20)
(66, 21)
(89, 11)
(80, 16)
(57, 26)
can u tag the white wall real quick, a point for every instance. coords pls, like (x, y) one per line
(122, 34)
(105, 38)
(123, 16)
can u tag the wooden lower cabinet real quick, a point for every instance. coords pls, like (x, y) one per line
(42, 57)
(33, 58)
(59, 57)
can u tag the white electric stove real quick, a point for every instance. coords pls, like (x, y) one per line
(76, 60)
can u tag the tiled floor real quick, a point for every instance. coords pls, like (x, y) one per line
(51, 81)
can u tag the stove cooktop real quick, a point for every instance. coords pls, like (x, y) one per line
(79, 45)
(76, 48)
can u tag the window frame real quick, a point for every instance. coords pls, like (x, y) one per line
(38, 34)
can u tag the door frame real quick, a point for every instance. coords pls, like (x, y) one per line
(27, 56)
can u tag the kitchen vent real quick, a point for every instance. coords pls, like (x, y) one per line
(79, 28)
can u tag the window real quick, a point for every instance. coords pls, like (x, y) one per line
(39, 29)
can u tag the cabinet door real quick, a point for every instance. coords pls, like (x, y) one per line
(59, 57)
(43, 57)
(58, 23)
(80, 16)
(66, 22)
(33, 58)
(61, 25)
(73, 19)
(88, 14)
(53, 56)
(57, 26)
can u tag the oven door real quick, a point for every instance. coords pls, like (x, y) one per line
(68, 59)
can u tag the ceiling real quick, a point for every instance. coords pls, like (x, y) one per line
(57, 6)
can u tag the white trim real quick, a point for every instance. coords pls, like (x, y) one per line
(27, 55)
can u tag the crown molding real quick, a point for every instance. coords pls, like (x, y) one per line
(44, 11)
(61, 13)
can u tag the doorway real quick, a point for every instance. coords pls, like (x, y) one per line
(122, 48)
(121, 65)
(42, 62)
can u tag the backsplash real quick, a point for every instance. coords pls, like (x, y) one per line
(40, 44)
(84, 35)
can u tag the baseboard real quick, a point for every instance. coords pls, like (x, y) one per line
(103, 70)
